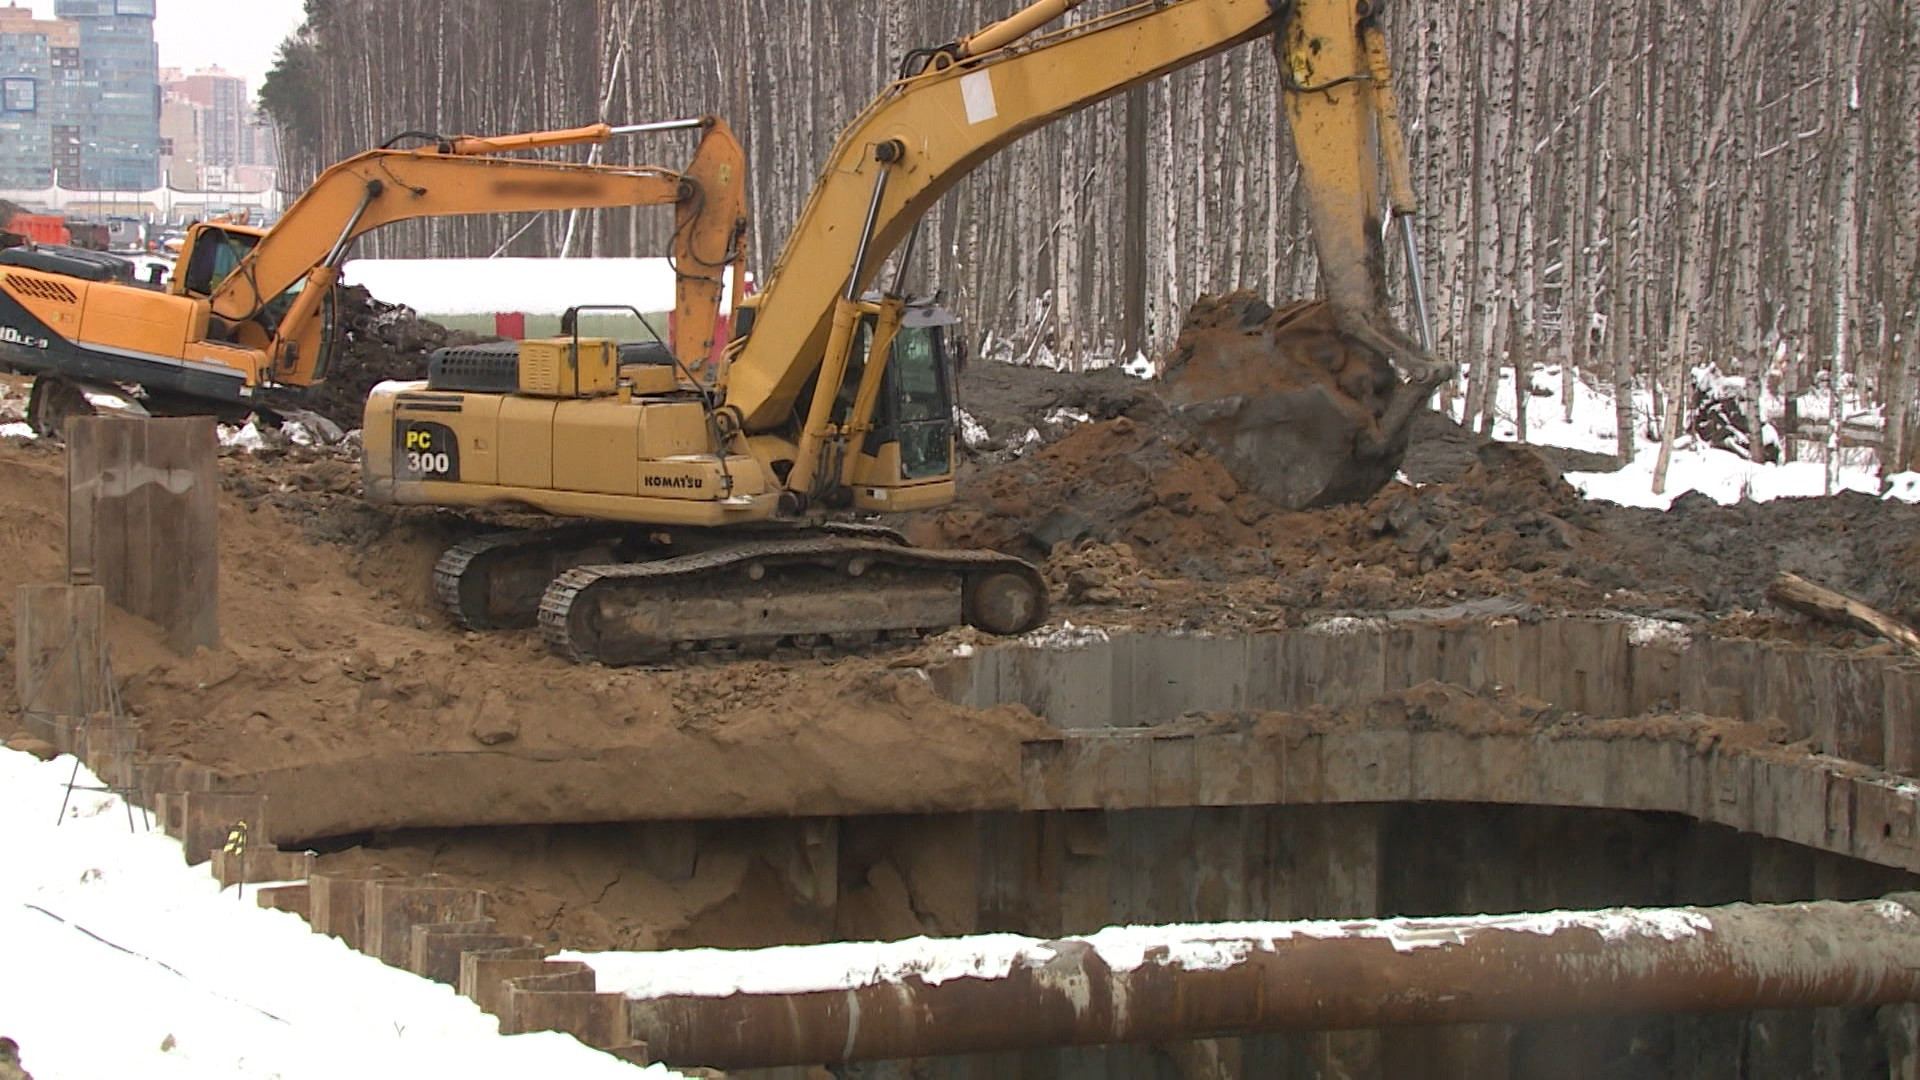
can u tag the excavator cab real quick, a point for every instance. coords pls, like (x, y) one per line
(901, 455)
(210, 253)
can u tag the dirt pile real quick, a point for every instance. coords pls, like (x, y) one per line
(1483, 519)
(376, 341)
(1115, 481)
(332, 648)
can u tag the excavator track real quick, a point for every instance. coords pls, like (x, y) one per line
(756, 597)
(495, 581)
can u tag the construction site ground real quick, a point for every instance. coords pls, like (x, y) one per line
(333, 650)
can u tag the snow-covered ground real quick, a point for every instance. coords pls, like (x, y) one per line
(1695, 466)
(117, 960)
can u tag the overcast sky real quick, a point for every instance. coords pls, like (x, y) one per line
(241, 37)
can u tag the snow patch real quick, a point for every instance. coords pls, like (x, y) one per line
(1140, 367)
(973, 434)
(1725, 477)
(1662, 632)
(311, 429)
(245, 437)
(110, 921)
(530, 286)
(1064, 636)
(1342, 625)
(1206, 947)
(1904, 487)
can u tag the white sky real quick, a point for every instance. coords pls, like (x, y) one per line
(242, 38)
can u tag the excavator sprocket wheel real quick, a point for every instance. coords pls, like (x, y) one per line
(1005, 603)
(53, 402)
(494, 581)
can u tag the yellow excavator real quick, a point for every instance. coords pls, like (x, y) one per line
(247, 320)
(711, 503)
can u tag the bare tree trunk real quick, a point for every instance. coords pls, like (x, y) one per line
(1619, 197)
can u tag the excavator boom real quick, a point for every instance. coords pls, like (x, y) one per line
(947, 120)
(976, 97)
(246, 307)
(463, 176)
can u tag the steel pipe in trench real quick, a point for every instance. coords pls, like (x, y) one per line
(1246, 979)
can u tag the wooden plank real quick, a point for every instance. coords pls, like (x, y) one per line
(58, 634)
(143, 520)
(1463, 656)
(1858, 695)
(1901, 714)
(1593, 666)
(1798, 594)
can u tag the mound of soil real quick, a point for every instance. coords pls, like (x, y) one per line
(377, 341)
(1133, 515)
(332, 648)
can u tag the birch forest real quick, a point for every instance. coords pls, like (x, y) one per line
(1623, 191)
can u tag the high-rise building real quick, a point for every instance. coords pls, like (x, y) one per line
(119, 88)
(40, 73)
(225, 141)
(181, 155)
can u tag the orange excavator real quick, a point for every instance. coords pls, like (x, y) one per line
(717, 502)
(247, 320)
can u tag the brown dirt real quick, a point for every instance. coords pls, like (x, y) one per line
(331, 647)
(750, 884)
(1129, 497)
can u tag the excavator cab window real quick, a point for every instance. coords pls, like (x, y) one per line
(916, 397)
(216, 252)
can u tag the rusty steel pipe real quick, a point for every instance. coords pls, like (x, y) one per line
(1282, 977)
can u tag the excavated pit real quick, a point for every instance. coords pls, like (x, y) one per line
(1415, 765)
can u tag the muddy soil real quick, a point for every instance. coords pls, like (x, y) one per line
(332, 637)
(1293, 408)
(1139, 524)
(331, 648)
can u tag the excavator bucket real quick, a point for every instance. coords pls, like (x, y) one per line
(1296, 409)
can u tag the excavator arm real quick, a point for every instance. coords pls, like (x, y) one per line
(976, 96)
(465, 176)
